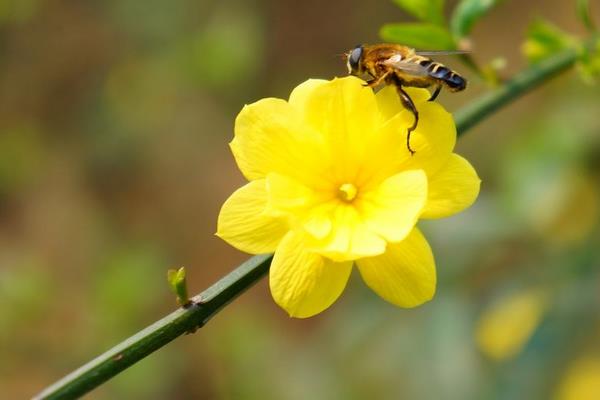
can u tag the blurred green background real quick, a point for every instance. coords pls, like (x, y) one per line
(114, 123)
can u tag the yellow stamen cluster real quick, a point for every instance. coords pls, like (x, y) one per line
(347, 192)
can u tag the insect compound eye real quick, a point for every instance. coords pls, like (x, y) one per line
(354, 58)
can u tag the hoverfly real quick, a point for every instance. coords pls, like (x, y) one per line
(402, 66)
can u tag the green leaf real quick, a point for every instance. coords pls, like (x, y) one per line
(467, 13)
(588, 64)
(178, 285)
(418, 35)
(545, 39)
(426, 10)
(583, 12)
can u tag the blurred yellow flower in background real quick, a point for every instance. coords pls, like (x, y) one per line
(332, 183)
(506, 326)
(582, 380)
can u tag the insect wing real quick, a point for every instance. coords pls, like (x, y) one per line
(412, 68)
(433, 53)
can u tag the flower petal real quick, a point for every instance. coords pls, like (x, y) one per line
(270, 136)
(349, 238)
(244, 224)
(288, 195)
(342, 108)
(432, 140)
(452, 189)
(303, 91)
(318, 222)
(389, 103)
(345, 113)
(405, 274)
(336, 229)
(304, 283)
(393, 208)
(305, 206)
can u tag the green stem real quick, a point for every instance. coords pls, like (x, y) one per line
(147, 341)
(520, 84)
(209, 302)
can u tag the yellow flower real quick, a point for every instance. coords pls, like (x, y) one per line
(582, 380)
(506, 327)
(332, 183)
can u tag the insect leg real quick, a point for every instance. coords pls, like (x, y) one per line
(376, 81)
(408, 104)
(435, 94)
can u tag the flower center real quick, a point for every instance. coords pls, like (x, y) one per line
(347, 192)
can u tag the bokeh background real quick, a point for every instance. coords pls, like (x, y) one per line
(114, 123)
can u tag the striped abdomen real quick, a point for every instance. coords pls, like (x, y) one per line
(449, 78)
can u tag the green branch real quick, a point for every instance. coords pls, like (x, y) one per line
(212, 300)
(520, 84)
(162, 332)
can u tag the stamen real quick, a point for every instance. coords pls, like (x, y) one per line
(347, 192)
